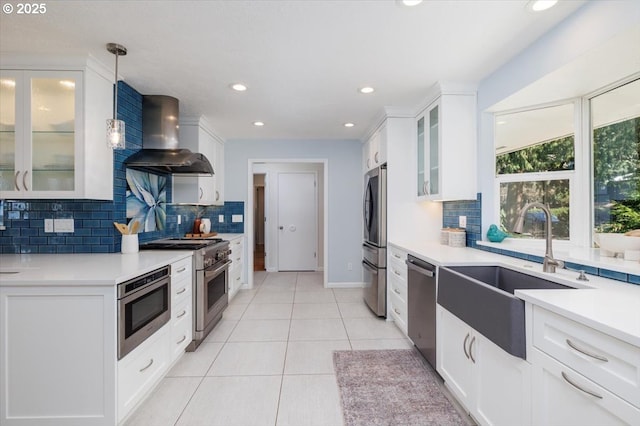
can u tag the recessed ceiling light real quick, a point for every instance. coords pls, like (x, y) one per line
(238, 87)
(411, 2)
(349, 124)
(366, 89)
(540, 5)
(258, 123)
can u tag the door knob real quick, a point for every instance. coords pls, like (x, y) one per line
(281, 227)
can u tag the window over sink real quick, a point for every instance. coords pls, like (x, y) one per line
(581, 157)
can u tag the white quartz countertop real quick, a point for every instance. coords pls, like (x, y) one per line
(606, 305)
(80, 268)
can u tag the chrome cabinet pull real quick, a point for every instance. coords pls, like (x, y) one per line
(587, 353)
(397, 273)
(575, 385)
(147, 366)
(464, 346)
(24, 180)
(376, 157)
(201, 193)
(395, 290)
(184, 337)
(396, 256)
(184, 268)
(15, 180)
(471, 349)
(396, 311)
(183, 313)
(217, 196)
(238, 279)
(368, 162)
(182, 290)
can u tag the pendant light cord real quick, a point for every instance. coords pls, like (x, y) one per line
(115, 103)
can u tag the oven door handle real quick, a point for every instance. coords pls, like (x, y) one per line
(225, 265)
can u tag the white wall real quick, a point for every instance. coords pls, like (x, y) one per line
(345, 180)
(585, 31)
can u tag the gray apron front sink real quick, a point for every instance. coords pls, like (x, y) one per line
(483, 297)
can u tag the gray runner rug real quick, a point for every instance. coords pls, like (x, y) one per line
(391, 388)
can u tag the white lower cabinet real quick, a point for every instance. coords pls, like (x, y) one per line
(397, 287)
(181, 307)
(565, 397)
(57, 356)
(582, 376)
(142, 369)
(493, 386)
(237, 265)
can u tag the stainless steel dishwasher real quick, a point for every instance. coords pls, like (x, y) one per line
(421, 313)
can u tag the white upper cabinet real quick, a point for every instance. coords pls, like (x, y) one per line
(196, 135)
(53, 134)
(374, 152)
(446, 145)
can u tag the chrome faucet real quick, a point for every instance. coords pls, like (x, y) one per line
(549, 264)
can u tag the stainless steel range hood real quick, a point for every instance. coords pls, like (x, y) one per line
(160, 152)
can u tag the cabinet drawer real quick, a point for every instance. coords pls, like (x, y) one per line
(398, 287)
(565, 397)
(398, 256)
(181, 329)
(180, 291)
(180, 269)
(398, 273)
(235, 278)
(141, 369)
(398, 307)
(611, 363)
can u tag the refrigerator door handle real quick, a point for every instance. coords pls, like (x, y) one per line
(370, 268)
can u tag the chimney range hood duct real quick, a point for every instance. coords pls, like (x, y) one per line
(160, 152)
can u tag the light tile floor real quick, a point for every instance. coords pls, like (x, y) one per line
(270, 359)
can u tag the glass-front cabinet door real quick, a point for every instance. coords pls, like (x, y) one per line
(433, 182)
(428, 147)
(8, 105)
(422, 189)
(41, 112)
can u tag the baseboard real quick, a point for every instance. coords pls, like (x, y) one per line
(346, 285)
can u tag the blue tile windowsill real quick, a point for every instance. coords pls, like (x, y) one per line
(585, 259)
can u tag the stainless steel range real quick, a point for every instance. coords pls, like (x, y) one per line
(211, 280)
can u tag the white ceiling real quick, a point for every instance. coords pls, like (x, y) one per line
(302, 60)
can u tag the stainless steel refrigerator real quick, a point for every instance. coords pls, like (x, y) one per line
(374, 247)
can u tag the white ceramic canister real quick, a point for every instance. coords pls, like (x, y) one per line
(205, 225)
(457, 237)
(444, 236)
(129, 243)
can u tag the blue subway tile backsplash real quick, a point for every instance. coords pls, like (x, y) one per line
(93, 219)
(472, 209)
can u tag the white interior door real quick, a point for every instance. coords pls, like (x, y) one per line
(297, 222)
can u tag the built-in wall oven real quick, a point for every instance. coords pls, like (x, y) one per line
(144, 306)
(374, 246)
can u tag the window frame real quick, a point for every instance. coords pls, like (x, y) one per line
(581, 179)
(575, 193)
